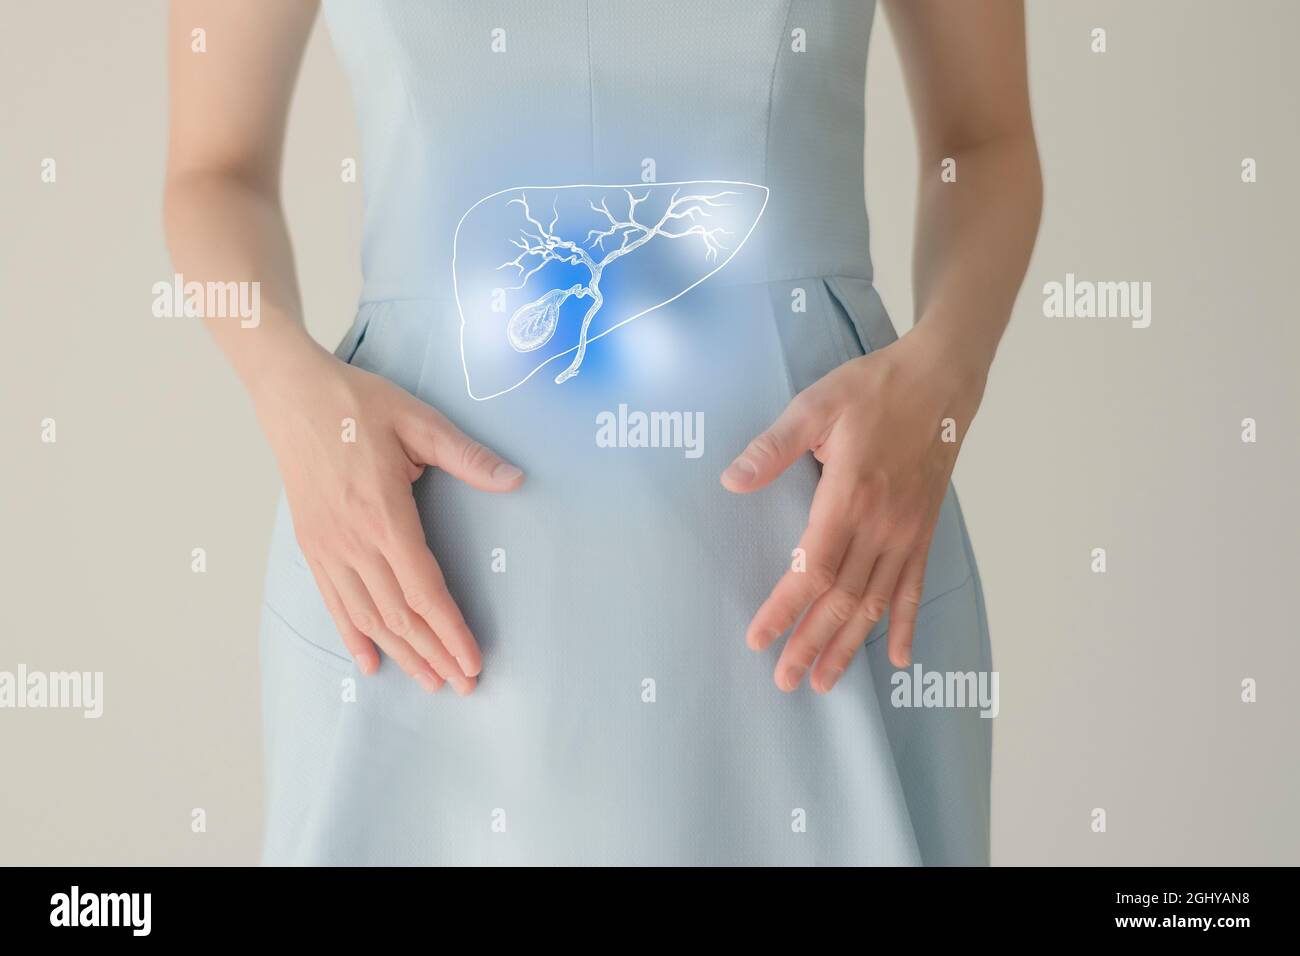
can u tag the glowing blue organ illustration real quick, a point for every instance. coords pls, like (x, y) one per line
(607, 247)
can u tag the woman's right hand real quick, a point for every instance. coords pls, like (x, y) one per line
(352, 506)
(349, 444)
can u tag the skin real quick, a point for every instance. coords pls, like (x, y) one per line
(874, 423)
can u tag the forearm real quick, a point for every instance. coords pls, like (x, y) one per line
(224, 228)
(974, 237)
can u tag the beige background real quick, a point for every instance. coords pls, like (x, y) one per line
(1119, 691)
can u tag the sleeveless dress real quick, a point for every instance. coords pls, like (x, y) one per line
(619, 717)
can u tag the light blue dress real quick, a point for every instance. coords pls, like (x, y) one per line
(620, 718)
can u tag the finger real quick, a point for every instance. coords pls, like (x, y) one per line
(830, 612)
(363, 614)
(404, 624)
(905, 604)
(359, 646)
(797, 429)
(821, 549)
(424, 589)
(430, 439)
(840, 650)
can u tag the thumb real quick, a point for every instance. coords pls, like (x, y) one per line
(775, 450)
(430, 439)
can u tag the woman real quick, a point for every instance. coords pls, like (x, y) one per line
(501, 482)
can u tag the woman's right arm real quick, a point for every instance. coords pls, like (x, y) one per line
(353, 510)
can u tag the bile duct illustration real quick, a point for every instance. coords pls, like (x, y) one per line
(605, 252)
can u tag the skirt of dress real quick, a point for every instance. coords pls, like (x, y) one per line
(620, 718)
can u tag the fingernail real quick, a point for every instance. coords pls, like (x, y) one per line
(461, 686)
(792, 677)
(506, 472)
(740, 470)
(427, 682)
(464, 666)
(365, 665)
(833, 675)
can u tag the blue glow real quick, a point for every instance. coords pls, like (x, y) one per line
(543, 273)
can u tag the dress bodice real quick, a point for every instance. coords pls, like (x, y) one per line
(457, 101)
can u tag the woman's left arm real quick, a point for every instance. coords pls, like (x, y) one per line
(887, 427)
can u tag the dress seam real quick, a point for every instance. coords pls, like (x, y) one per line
(946, 592)
(298, 634)
(591, 96)
(771, 92)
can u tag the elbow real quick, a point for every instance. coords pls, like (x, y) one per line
(193, 193)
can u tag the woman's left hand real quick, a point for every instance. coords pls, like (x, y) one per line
(887, 428)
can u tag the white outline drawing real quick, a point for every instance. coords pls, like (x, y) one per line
(533, 324)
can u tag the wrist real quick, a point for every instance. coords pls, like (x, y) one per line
(958, 351)
(280, 362)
